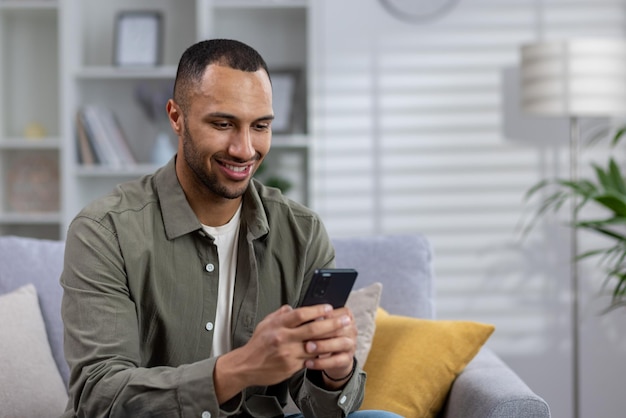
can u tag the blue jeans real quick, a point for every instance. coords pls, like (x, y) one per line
(361, 414)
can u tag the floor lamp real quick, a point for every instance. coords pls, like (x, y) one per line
(574, 78)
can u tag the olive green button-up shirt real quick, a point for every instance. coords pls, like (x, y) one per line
(140, 292)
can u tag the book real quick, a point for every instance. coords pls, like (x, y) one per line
(98, 127)
(89, 128)
(86, 153)
(116, 136)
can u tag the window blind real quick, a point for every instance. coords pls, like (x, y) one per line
(408, 131)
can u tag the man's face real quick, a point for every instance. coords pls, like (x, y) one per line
(227, 130)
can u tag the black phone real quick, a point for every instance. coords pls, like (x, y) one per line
(330, 286)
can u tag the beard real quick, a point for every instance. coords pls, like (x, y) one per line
(194, 159)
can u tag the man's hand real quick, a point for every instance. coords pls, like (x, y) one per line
(283, 343)
(335, 354)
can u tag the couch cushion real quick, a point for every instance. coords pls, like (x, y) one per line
(29, 378)
(403, 263)
(40, 262)
(413, 362)
(364, 303)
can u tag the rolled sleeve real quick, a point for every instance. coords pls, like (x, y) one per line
(315, 401)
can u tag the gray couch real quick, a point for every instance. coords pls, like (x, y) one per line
(486, 388)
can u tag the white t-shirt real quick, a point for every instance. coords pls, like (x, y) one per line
(226, 238)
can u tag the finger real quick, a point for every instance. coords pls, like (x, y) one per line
(302, 315)
(343, 343)
(340, 312)
(325, 328)
(280, 311)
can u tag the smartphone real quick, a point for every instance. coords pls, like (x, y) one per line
(330, 286)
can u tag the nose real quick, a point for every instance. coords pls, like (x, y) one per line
(241, 146)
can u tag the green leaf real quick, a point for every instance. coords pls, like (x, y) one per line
(620, 287)
(534, 189)
(604, 179)
(616, 177)
(602, 133)
(613, 202)
(583, 188)
(618, 136)
(618, 220)
(608, 232)
(552, 202)
(591, 253)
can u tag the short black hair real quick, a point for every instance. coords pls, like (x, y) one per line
(198, 57)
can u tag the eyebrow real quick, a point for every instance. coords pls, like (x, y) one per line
(233, 117)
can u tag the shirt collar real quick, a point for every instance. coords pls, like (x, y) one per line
(178, 217)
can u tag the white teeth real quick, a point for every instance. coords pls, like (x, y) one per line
(236, 169)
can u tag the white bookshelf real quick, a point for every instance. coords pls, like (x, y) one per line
(57, 55)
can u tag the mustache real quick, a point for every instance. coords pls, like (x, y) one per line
(224, 157)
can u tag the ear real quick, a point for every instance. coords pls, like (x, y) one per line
(175, 116)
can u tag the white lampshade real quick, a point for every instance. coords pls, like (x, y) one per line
(574, 78)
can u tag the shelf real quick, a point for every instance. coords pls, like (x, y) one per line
(290, 141)
(115, 172)
(259, 4)
(35, 218)
(30, 143)
(126, 73)
(29, 4)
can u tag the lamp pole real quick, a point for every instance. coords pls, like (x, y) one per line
(574, 284)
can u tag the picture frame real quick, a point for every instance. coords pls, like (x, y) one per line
(288, 107)
(138, 38)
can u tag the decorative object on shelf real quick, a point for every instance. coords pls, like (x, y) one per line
(418, 11)
(34, 130)
(284, 100)
(33, 184)
(138, 37)
(153, 98)
(576, 78)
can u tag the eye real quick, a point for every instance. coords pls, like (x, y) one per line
(221, 124)
(262, 126)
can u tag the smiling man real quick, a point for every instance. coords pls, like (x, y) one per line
(181, 288)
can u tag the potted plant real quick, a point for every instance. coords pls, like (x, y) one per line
(272, 180)
(608, 191)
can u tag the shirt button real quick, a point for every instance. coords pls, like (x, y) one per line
(209, 326)
(343, 399)
(210, 267)
(206, 414)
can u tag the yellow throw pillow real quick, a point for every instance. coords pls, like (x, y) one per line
(413, 362)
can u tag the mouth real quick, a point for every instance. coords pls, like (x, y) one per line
(236, 169)
(236, 172)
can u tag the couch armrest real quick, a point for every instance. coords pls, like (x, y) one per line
(488, 388)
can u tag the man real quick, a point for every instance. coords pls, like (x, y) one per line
(180, 287)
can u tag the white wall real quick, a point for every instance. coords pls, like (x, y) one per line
(410, 135)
